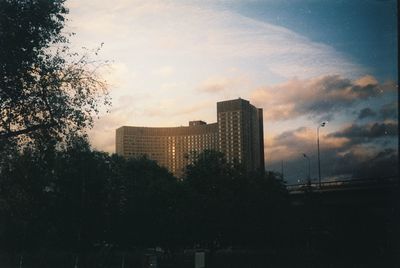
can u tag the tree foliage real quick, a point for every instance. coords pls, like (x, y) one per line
(76, 198)
(45, 90)
(228, 206)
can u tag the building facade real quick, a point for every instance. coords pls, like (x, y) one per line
(172, 147)
(241, 133)
(238, 134)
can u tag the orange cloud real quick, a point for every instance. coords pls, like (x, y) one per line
(316, 97)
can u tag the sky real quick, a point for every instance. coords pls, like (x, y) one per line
(303, 62)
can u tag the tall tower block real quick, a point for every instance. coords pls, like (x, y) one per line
(240, 133)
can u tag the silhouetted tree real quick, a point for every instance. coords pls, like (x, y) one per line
(80, 187)
(209, 198)
(25, 188)
(44, 89)
(228, 206)
(141, 203)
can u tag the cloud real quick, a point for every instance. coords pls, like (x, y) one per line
(194, 109)
(193, 33)
(365, 113)
(366, 80)
(356, 151)
(291, 144)
(389, 110)
(165, 71)
(376, 165)
(118, 75)
(367, 131)
(214, 85)
(318, 97)
(174, 108)
(218, 84)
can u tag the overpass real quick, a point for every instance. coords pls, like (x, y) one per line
(343, 185)
(382, 192)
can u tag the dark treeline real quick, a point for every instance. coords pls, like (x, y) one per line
(76, 200)
(80, 202)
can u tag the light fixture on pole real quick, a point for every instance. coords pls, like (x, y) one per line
(319, 161)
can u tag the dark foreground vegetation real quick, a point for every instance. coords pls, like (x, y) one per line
(78, 206)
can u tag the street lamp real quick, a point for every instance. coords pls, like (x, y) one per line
(309, 168)
(319, 161)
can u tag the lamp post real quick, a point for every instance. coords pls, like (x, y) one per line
(309, 169)
(319, 161)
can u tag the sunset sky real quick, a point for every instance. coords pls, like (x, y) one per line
(303, 62)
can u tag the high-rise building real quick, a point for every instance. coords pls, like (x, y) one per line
(238, 134)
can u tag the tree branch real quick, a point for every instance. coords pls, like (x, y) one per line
(11, 134)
